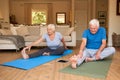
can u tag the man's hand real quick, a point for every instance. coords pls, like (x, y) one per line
(74, 58)
(97, 56)
(80, 54)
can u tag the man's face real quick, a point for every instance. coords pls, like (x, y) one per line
(93, 29)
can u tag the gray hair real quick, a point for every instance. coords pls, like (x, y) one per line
(51, 26)
(94, 22)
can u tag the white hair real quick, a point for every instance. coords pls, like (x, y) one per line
(51, 26)
(94, 22)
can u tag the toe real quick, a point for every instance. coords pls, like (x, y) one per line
(74, 66)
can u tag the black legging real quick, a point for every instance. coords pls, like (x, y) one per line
(57, 51)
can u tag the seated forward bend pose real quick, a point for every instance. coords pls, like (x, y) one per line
(93, 46)
(53, 40)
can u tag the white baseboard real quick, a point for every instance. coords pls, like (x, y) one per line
(109, 45)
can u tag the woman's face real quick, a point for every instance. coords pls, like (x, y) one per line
(50, 31)
(93, 29)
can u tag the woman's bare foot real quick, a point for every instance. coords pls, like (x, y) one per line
(88, 59)
(25, 56)
(73, 61)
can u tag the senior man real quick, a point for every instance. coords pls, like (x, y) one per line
(93, 46)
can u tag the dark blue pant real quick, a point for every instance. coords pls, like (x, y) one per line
(58, 51)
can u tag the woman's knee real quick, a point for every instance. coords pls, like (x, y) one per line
(61, 48)
(58, 51)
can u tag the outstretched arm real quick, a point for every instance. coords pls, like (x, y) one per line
(34, 43)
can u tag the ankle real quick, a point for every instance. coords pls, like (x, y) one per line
(88, 59)
(26, 57)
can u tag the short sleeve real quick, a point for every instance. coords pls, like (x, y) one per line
(60, 35)
(103, 33)
(84, 35)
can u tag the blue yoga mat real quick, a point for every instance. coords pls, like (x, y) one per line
(34, 62)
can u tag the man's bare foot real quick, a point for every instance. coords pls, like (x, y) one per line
(46, 54)
(74, 65)
(73, 61)
(88, 59)
(25, 56)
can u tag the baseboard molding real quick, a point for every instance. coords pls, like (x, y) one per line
(109, 45)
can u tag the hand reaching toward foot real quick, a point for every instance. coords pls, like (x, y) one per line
(24, 54)
(88, 59)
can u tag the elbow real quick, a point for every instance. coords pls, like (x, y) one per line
(104, 44)
(83, 43)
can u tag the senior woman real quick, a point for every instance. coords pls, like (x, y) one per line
(53, 40)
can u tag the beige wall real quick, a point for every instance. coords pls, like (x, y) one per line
(63, 6)
(101, 5)
(17, 8)
(81, 17)
(113, 21)
(4, 8)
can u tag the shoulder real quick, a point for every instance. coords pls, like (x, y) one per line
(58, 33)
(101, 28)
(86, 31)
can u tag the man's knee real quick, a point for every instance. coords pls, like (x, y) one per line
(112, 49)
(85, 53)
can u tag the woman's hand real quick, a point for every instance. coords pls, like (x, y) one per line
(66, 48)
(27, 48)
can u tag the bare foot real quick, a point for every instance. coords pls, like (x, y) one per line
(73, 60)
(88, 59)
(25, 56)
(74, 65)
(46, 54)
